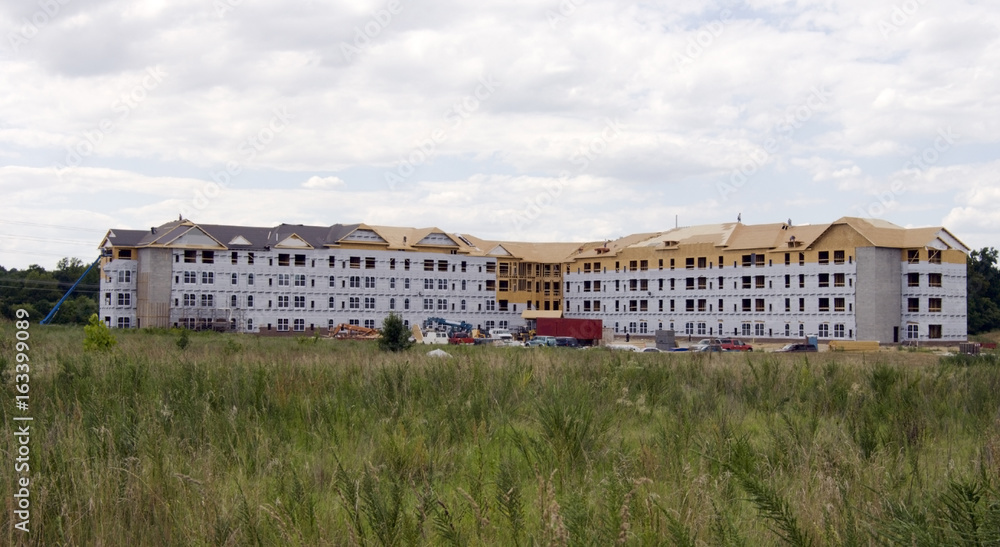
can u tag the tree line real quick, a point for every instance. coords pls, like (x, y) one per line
(38, 290)
(983, 277)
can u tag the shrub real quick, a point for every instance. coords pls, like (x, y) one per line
(183, 339)
(395, 337)
(97, 335)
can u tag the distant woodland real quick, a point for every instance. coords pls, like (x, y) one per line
(37, 290)
(984, 291)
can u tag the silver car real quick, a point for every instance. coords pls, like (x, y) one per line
(701, 345)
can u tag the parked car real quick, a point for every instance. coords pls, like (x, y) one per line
(566, 342)
(541, 341)
(651, 350)
(701, 344)
(790, 348)
(709, 348)
(732, 344)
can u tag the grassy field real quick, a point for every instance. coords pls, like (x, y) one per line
(239, 440)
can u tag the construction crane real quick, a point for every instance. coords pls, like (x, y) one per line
(458, 332)
(52, 312)
(450, 325)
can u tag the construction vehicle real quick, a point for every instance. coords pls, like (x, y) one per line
(454, 332)
(435, 322)
(499, 337)
(429, 336)
(344, 331)
(522, 333)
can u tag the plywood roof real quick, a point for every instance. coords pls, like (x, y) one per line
(725, 236)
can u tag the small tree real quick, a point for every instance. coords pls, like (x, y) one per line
(395, 337)
(97, 335)
(182, 339)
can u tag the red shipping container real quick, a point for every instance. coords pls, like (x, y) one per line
(584, 330)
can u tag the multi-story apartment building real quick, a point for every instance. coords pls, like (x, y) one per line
(295, 278)
(853, 279)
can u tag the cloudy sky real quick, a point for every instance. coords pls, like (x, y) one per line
(531, 120)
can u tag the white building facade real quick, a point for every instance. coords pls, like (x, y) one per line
(292, 286)
(853, 279)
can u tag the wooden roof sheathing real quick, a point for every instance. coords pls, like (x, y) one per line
(535, 314)
(726, 236)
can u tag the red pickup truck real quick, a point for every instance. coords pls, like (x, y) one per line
(732, 344)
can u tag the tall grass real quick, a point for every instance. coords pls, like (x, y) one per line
(242, 440)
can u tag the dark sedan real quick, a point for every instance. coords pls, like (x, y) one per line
(567, 342)
(795, 348)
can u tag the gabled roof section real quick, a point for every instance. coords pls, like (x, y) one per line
(293, 241)
(947, 238)
(337, 232)
(241, 237)
(612, 247)
(239, 240)
(364, 234)
(412, 239)
(162, 235)
(800, 237)
(190, 236)
(438, 238)
(776, 237)
(122, 238)
(499, 250)
(707, 234)
(396, 238)
(551, 253)
(882, 233)
(754, 237)
(314, 236)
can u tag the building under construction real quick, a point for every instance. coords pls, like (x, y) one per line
(852, 279)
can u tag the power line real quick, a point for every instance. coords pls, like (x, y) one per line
(37, 253)
(50, 239)
(75, 228)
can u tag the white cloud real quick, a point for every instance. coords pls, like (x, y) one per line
(323, 183)
(695, 91)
